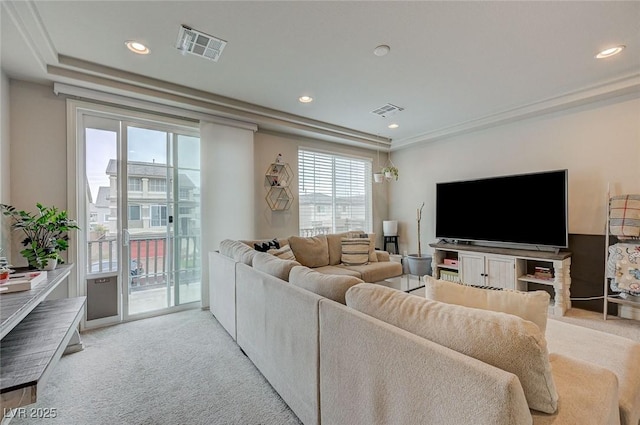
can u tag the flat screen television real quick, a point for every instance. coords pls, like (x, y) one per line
(523, 209)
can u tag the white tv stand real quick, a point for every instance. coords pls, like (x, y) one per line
(505, 268)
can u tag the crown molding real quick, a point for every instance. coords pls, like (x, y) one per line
(204, 104)
(614, 88)
(28, 23)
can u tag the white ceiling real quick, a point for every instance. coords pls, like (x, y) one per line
(453, 66)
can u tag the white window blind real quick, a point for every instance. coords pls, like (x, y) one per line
(334, 193)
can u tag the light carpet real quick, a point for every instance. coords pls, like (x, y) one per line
(182, 368)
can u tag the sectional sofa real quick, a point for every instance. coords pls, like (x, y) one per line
(376, 360)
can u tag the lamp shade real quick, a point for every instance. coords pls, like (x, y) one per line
(390, 227)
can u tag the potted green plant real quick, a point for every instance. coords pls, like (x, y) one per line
(419, 264)
(46, 234)
(390, 172)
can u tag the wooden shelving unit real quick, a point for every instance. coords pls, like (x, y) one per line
(277, 179)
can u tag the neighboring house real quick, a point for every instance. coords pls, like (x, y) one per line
(148, 209)
(317, 214)
(99, 210)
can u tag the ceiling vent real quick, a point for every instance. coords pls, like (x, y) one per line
(387, 110)
(199, 44)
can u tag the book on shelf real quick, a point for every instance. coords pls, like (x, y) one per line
(542, 273)
(449, 276)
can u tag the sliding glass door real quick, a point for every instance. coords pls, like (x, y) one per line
(143, 199)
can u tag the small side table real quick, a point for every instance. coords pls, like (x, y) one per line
(391, 240)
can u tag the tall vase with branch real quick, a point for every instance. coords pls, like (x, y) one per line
(419, 265)
(418, 218)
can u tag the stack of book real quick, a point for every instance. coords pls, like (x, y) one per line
(543, 273)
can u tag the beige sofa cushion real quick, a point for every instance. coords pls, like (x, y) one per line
(339, 270)
(378, 271)
(532, 306)
(615, 353)
(502, 340)
(329, 286)
(588, 394)
(274, 266)
(283, 253)
(372, 248)
(310, 252)
(334, 243)
(238, 251)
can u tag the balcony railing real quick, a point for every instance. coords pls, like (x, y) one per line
(149, 259)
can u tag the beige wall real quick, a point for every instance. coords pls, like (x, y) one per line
(5, 195)
(271, 224)
(598, 143)
(38, 154)
(38, 149)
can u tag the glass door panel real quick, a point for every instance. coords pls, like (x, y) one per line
(149, 196)
(187, 219)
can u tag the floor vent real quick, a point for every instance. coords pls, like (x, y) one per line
(199, 44)
(387, 110)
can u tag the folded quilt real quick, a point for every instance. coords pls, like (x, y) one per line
(624, 216)
(623, 268)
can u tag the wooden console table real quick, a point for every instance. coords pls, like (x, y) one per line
(35, 334)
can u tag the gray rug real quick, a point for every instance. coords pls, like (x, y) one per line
(182, 368)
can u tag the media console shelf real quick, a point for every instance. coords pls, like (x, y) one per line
(505, 268)
(35, 334)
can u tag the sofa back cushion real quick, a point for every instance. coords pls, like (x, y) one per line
(329, 286)
(310, 252)
(283, 253)
(334, 243)
(532, 306)
(501, 340)
(355, 251)
(237, 250)
(274, 266)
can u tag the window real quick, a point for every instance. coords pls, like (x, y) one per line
(134, 212)
(157, 185)
(93, 217)
(135, 184)
(158, 215)
(335, 193)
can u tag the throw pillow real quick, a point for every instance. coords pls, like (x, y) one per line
(266, 246)
(327, 285)
(310, 252)
(283, 253)
(355, 251)
(274, 266)
(501, 340)
(532, 306)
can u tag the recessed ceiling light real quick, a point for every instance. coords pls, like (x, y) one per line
(381, 50)
(305, 99)
(394, 125)
(137, 47)
(606, 53)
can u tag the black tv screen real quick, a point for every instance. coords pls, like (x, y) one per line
(519, 209)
